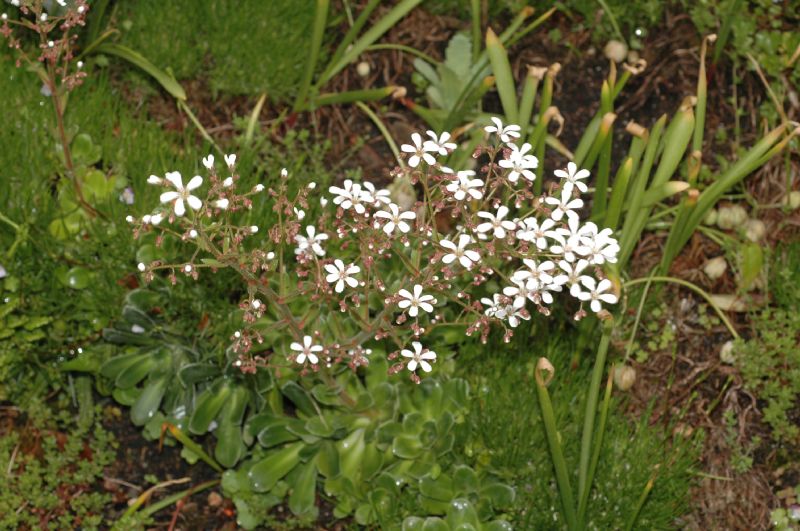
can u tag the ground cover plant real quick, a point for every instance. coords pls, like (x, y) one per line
(400, 272)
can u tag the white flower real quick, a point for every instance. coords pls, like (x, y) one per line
(519, 292)
(418, 357)
(299, 213)
(155, 219)
(141, 267)
(566, 205)
(520, 163)
(496, 222)
(596, 293)
(396, 219)
(571, 275)
(340, 274)
(311, 243)
(600, 246)
(259, 188)
(253, 229)
(350, 196)
(439, 144)
(372, 195)
(416, 301)
(465, 257)
(464, 185)
(221, 204)
(574, 176)
(536, 275)
(182, 194)
(531, 231)
(228, 182)
(419, 151)
(569, 241)
(493, 305)
(230, 160)
(154, 179)
(306, 351)
(505, 133)
(208, 162)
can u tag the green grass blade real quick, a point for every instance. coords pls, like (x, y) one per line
(504, 78)
(168, 82)
(317, 33)
(529, 90)
(475, 12)
(587, 140)
(727, 25)
(351, 96)
(556, 454)
(253, 121)
(369, 38)
(618, 192)
(587, 436)
(351, 34)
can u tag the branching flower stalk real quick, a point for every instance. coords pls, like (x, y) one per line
(475, 249)
(53, 63)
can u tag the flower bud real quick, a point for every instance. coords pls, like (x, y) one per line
(792, 200)
(715, 267)
(727, 354)
(731, 216)
(624, 377)
(615, 51)
(363, 69)
(755, 230)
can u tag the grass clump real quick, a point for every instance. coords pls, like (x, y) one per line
(508, 437)
(245, 47)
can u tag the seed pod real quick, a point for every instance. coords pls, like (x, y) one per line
(624, 377)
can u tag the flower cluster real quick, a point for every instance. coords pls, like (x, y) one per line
(386, 270)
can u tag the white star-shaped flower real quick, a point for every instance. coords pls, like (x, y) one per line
(396, 219)
(506, 133)
(208, 162)
(596, 293)
(460, 252)
(565, 205)
(418, 357)
(520, 163)
(350, 196)
(306, 351)
(339, 274)
(571, 275)
(439, 144)
(496, 223)
(312, 243)
(373, 195)
(419, 151)
(465, 185)
(415, 301)
(574, 176)
(182, 194)
(531, 231)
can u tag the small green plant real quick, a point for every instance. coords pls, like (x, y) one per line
(52, 468)
(742, 455)
(770, 365)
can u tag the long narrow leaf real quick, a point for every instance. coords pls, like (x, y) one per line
(317, 33)
(372, 35)
(168, 82)
(504, 78)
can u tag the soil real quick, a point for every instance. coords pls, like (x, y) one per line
(700, 386)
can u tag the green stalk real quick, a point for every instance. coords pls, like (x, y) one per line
(253, 121)
(205, 134)
(532, 26)
(504, 78)
(556, 454)
(598, 444)
(702, 90)
(384, 131)
(351, 34)
(587, 140)
(475, 11)
(629, 233)
(591, 410)
(692, 287)
(317, 34)
(350, 54)
(529, 90)
(602, 134)
(351, 96)
(640, 503)
(402, 48)
(618, 192)
(727, 24)
(601, 182)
